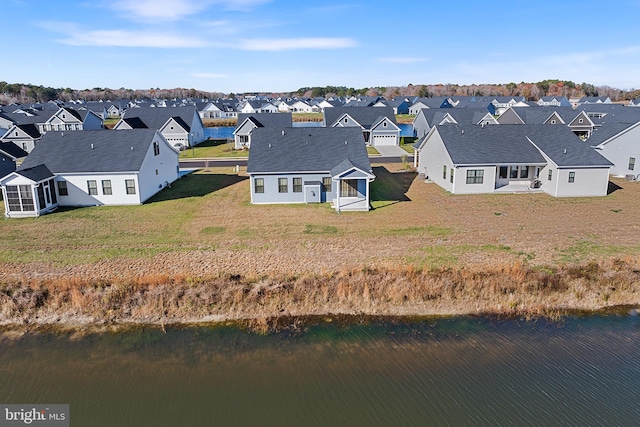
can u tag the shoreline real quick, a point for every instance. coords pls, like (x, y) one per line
(269, 303)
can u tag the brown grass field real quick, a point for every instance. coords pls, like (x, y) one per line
(201, 252)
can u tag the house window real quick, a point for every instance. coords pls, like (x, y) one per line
(349, 188)
(580, 121)
(632, 163)
(92, 187)
(503, 172)
(106, 187)
(326, 183)
(444, 172)
(283, 186)
(514, 172)
(244, 139)
(26, 197)
(62, 188)
(297, 185)
(553, 122)
(572, 176)
(156, 148)
(13, 198)
(524, 171)
(475, 176)
(550, 174)
(24, 146)
(130, 185)
(451, 175)
(258, 185)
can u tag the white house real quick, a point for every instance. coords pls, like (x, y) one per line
(512, 158)
(90, 168)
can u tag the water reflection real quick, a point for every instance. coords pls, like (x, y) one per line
(464, 371)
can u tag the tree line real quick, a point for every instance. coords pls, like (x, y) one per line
(28, 93)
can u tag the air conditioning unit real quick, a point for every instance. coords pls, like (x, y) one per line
(630, 177)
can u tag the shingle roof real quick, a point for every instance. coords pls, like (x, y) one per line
(366, 116)
(278, 120)
(12, 150)
(482, 145)
(306, 149)
(156, 117)
(91, 151)
(36, 173)
(562, 146)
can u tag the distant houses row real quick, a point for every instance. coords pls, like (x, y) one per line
(462, 147)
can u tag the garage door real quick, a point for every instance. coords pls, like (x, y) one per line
(384, 140)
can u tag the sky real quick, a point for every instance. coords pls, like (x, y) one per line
(240, 46)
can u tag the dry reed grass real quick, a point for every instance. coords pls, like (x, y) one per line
(511, 289)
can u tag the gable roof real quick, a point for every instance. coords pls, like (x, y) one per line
(279, 120)
(91, 151)
(36, 173)
(564, 148)
(306, 150)
(155, 118)
(365, 116)
(12, 150)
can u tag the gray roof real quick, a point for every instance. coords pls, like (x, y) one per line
(306, 150)
(91, 151)
(36, 173)
(12, 150)
(562, 146)
(156, 117)
(366, 116)
(277, 120)
(489, 145)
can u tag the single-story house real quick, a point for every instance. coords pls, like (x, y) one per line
(181, 126)
(378, 124)
(310, 165)
(512, 158)
(9, 154)
(248, 122)
(90, 168)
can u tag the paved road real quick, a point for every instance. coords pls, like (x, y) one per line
(201, 163)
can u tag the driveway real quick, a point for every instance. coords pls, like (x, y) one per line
(391, 151)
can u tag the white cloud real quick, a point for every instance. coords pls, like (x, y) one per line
(297, 43)
(401, 60)
(175, 10)
(76, 36)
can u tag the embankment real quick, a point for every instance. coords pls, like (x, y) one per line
(511, 289)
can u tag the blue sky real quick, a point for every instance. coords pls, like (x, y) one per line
(282, 45)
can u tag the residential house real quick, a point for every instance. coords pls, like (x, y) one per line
(69, 119)
(508, 158)
(9, 155)
(310, 165)
(429, 117)
(181, 126)
(90, 168)
(378, 124)
(24, 136)
(554, 101)
(248, 122)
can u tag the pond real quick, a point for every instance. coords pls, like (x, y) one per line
(446, 371)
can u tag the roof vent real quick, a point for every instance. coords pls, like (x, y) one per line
(92, 146)
(345, 143)
(462, 130)
(565, 151)
(269, 145)
(282, 132)
(131, 148)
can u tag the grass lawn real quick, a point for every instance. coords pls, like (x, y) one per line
(405, 118)
(307, 117)
(213, 148)
(406, 143)
(110, 122)
(412, 222)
